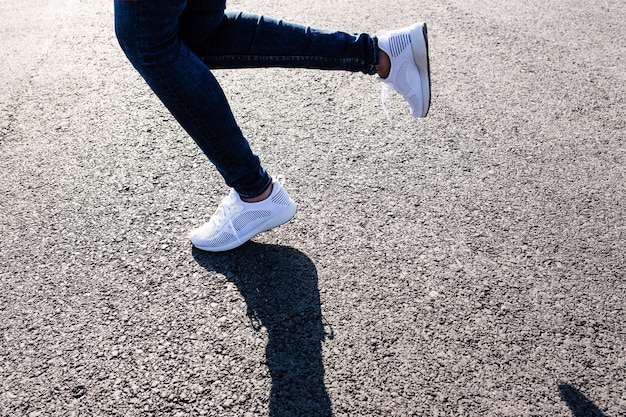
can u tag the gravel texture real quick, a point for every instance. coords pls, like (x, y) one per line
(469, 264)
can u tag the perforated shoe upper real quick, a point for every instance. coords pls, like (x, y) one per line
(236, 221)
(410, 68)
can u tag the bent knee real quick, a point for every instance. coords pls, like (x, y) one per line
(143, 44)
(144, 49)
(127, 34)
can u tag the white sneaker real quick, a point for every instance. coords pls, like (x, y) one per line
(235, 221)
(410, 67)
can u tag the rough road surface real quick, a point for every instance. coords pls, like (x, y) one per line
(469, 264)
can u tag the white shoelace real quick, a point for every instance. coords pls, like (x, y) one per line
(228, 208)
(280, 178)
(224, 214)
(384, 96)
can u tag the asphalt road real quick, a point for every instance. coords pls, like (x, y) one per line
(469, 264)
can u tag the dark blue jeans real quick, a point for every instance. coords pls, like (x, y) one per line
(174, 44)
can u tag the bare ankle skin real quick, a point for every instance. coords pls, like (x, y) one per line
(384, 66)
(260, 197)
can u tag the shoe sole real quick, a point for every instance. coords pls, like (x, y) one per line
(419, 43)
(271, 223)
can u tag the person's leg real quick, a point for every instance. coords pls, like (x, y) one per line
(163, 39)
(148, 33)
(245, 40)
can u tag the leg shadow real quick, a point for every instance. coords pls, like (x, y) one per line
(580, 405)
(279, 285)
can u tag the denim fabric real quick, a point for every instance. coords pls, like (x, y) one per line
(174, 44)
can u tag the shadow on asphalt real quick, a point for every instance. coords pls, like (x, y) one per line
(578, 403)
(279, 285)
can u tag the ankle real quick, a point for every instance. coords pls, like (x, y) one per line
(384, 64)
(261, 196)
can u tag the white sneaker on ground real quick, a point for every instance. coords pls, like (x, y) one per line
(410, 67)
(235, 221)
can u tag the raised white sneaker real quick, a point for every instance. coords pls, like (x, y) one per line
(410, 68)
(235, 221)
